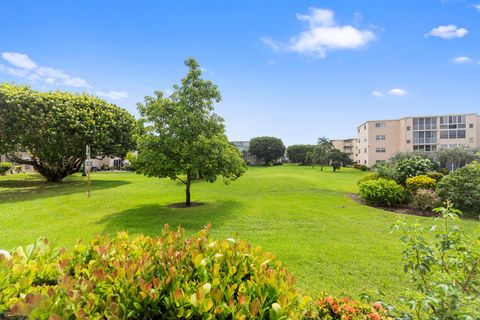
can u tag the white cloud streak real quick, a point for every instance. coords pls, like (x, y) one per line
(461, 60)
(322, 35)
(447, 32)
(376, 94)
(19, 60)
(397, 92)
(113, 95)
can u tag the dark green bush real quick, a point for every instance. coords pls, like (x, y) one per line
(462, 188)
(435, 175)
(382, 192)
(166, 277)
(5, 167)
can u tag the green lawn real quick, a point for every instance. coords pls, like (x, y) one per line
(303, 215)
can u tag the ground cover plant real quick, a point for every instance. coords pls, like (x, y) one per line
(305, 216)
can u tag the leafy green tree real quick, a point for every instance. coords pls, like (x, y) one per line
(338, 159)
(411, 167)
(267, 149)
(456, 157)
(183, 139)
(321, 152)
(55, 127)
(297, 153)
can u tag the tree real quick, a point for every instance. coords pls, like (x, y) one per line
(456, 157)
(267, 149)
(55, 127)
(183, 139)
(337, 159)
(297, 153)
(321, 152)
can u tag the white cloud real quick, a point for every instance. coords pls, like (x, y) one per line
(112, 94)
(19, 60)
(461, 60)
(376, 93)
(477, 6)
(397, 92)
(323, 35)
(448, 32)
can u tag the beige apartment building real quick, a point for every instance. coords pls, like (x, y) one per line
(378, 140)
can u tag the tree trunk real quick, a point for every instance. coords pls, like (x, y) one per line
(187, 191)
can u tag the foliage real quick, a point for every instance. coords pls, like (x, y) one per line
(321, 152)
(338, 159)
(403, 155)
(385, 170)
(462, 187)
(454, 158)
(435, 175)
(131, 158)
(368, 177)
(425, 199)
(360, 167)
(267, 149)
(55, 127)
(420, 182)
(382, 192)
(443, 262)
(297, 153)
(411, 167)
(5, 167)
(183, 139)
(168, 277)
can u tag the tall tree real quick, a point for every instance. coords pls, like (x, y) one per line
(55, 127)
(267, 149)
(297, 153)
(321, 152)
(183, 139)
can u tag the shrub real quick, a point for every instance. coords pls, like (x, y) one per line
(435, 175)
(462, 188)
(443, 263)
(385, 170)
(411, 167)
(382, 192)
(166, 277)
(5, 167)
(425, 199)
(360, 167)
(420, 182)
(368, 177)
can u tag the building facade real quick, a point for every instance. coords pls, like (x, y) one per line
(378, 140)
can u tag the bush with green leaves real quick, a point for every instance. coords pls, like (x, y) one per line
(462, 188)
(420, 182)
(167, 277)
(5, 167)
(382, 192)
(443, 262)
(435, 175)
(425, 199)
(368, 177)
(411, 167)
(385, 170)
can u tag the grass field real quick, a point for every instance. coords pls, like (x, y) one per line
(303, 215)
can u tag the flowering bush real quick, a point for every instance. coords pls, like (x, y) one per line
(425, 199)
(168, 277)
(411, 167)
(382, 192)
(420, 182)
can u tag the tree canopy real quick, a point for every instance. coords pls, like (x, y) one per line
(55, 127)
(297, 153)
(267, 149)
(183, 139)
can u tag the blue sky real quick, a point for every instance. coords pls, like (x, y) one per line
(292, 69)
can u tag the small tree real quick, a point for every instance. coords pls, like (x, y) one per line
(267, 149)
(321, 152)
(297, 153)
(183, 138)
(55, 127)
(456, 157)
(411, 167)
(337, 159)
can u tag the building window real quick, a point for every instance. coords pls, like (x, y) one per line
(408, 128)
(380, 137)
(380, 161)
(470, 125)
(365, 161)
(380, 125)
(380, 150)
(426, 147)
(365, 127)
(408, 141)
(453, 122)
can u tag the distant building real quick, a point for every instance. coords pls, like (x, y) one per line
(379, 140)
(244, 147)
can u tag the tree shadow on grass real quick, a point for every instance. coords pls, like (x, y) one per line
(149, 219)
(31, 188)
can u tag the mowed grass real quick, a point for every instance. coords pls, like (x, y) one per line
(305, 216)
